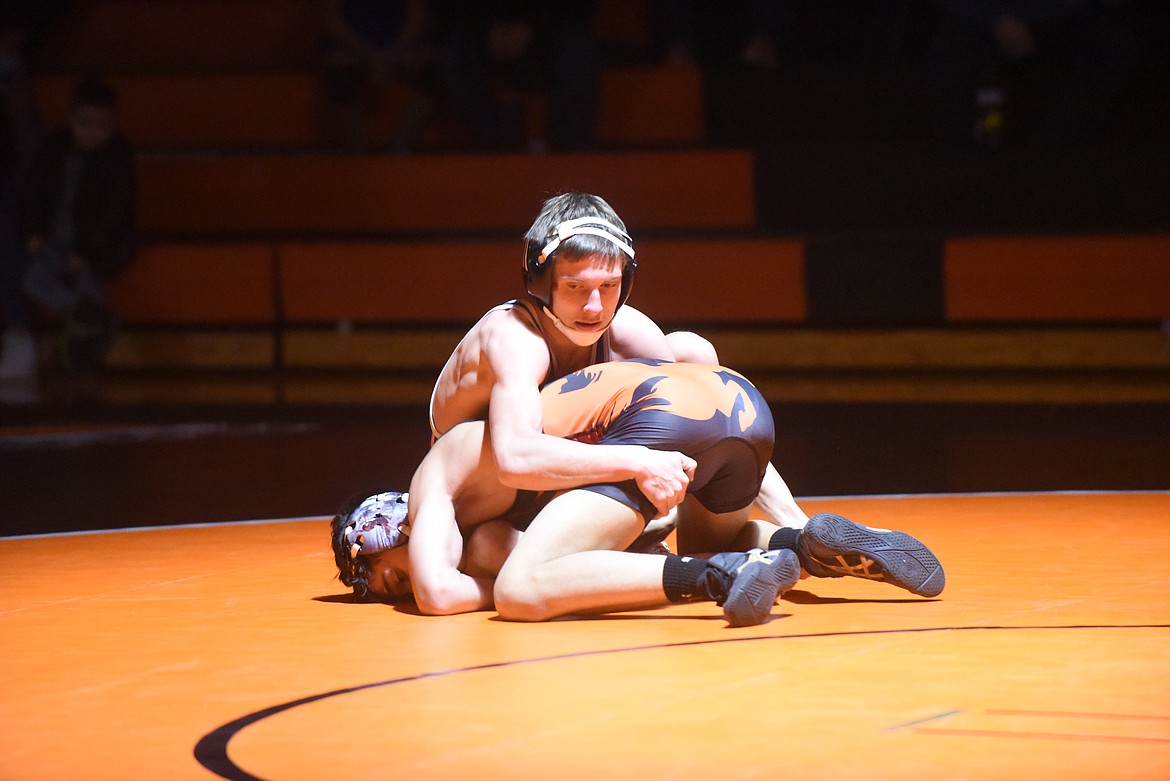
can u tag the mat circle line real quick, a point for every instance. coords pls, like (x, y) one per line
(211, 751)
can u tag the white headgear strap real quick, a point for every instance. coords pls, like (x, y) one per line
(591, 226)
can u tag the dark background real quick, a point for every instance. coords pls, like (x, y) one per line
(846, 157)
(176, 466)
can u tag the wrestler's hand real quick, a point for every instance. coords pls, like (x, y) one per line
(665, 478)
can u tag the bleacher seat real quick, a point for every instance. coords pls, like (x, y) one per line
(265, 254)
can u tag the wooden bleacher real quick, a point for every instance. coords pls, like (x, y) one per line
(276, 271)
(185, 36)
(363, 321)
(1081, 279)
(288, 110)
(760, 283)
(239, 194)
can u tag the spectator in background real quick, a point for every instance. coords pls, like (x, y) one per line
(20, 132)
(78, 223)
(692, 33)
(493, 54)
(370, 44)
(1017, 71)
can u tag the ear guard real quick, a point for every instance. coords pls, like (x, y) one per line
(537, 259)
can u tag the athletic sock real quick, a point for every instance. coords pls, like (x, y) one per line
(686, 579)
(784, 539)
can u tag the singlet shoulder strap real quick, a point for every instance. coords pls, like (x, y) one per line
(602, 353)
(527, 307)
(528, 311)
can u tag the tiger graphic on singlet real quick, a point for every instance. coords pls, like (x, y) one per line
(710, 413)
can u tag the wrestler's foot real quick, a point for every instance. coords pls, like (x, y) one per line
(759, 579)
(379, 523)
(833, 547)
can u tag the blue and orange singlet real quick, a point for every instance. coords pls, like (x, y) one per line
(710, 413)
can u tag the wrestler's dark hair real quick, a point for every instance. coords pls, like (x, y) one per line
(351, 571)
(571, 206)
(589, 216)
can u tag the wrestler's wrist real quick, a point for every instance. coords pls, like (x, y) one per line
(631, 462)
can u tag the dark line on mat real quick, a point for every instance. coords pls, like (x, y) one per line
(212, 749)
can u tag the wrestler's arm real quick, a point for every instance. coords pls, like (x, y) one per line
(529, 459)
(436, 542)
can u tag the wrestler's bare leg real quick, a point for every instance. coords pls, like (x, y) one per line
(571, 559)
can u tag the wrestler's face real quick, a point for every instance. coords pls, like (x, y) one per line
(389, 574)
(92, 126)
(586, 292)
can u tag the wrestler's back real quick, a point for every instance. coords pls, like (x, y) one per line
(585, 403)
(464, 386)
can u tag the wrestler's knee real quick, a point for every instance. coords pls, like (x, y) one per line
(689, 347)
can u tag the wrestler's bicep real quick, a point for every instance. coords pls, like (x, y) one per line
(436, 546)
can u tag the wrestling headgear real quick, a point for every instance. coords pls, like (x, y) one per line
(379, 523)
(538, 277)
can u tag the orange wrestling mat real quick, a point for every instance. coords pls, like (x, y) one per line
(229, 651)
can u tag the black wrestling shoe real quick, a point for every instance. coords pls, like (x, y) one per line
(830, 546)
(759, 580)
